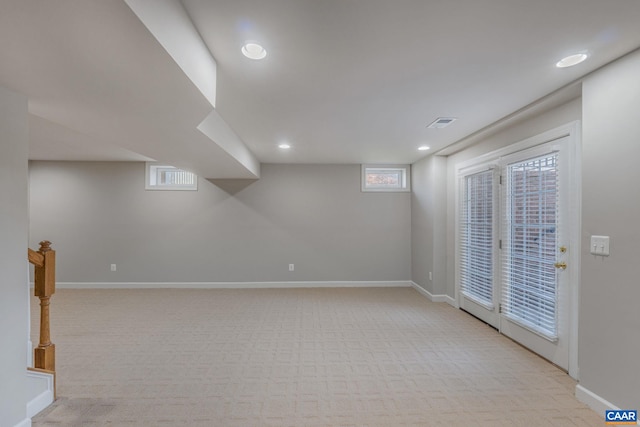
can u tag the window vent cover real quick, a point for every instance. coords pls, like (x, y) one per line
(442, 122)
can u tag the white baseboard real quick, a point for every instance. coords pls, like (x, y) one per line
(593, 401)
(434, 298)
(24, 423)
(37, 404)
(44, 397)
(232, 285)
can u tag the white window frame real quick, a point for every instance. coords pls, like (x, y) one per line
(405, 178)
(152, 170)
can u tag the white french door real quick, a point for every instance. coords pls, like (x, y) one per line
(478, 243)
(534, 301)
(514, 243)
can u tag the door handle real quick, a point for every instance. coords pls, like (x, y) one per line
(561, 264)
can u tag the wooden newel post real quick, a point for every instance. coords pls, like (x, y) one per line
(45, 286)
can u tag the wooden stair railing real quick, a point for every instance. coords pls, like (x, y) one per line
(44, 261)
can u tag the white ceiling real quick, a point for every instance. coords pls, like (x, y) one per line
(345, 81)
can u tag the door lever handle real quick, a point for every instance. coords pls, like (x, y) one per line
(561, 264)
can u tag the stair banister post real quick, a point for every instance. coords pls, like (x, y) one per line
(45, 286)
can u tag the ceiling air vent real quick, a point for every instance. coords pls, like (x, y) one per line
(442, 122)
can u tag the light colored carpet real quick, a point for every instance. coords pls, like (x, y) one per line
(293, 357)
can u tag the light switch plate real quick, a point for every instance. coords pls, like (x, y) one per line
(600, 245)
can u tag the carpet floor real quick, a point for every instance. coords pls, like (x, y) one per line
(292, 357)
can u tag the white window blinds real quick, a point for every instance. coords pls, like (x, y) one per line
(529, 244)
(476, 238)
(164, 177)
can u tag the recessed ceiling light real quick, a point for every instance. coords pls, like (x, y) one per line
(423, 148)
(253, 50)
(571, 60)
(284, 146)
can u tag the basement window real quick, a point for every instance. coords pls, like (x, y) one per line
(165, 177)
(386, 178)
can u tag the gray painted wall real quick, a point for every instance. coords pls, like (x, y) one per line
(428, 217)
(313, 216)
(609, 334)
(14, 290)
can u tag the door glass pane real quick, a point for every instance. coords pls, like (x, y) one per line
(529, 245)
(476, 238)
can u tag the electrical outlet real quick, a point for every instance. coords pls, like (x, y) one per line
(430, 276)
(291, 267)
(113, 267)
